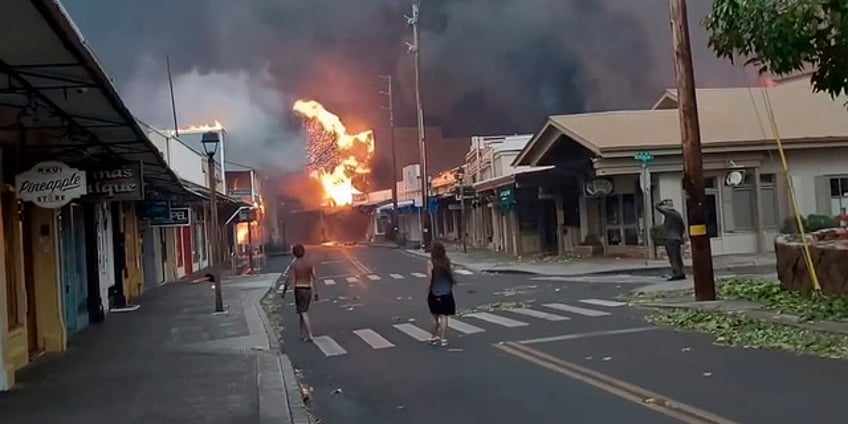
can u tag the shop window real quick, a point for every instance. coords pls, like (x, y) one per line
(768, 191)
(745, 205)
(623, 212)
(838, 194)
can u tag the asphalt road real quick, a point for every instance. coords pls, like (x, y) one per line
(574, 354)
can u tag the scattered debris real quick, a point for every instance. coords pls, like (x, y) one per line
(401, 407)
(399, 298)
(588, 358)
(411, 320)
(686, 349)
(337, 391)
(607, 358)
(649, 400)
(557, 290)
(707, 374)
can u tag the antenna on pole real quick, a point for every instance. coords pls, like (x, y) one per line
(173, 101)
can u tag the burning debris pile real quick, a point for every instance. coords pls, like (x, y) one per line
(338, 160)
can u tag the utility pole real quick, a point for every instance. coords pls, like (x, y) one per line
(173, 101)
(391, 109)
(415, 48)
(693, 171)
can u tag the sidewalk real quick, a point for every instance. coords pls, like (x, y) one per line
(483, 260)
(171, 361)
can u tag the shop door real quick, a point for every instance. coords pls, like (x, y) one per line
(74, 279)
(188, 258)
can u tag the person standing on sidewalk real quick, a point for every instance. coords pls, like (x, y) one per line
(674, 228)
(302, 278)
(440, 293)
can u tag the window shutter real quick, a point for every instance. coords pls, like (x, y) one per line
(823, 195)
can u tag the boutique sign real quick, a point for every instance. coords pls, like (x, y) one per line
(50, 184)
(113, 183)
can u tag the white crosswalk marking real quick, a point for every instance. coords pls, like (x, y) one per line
(328, 346)
(539, 314)
(463, 272)
(373, 277)
(352, 279)
(496, 319)
(371, 337)
(464, 328)
(330, 282)
(414, 332)
(419, 274)
(396, 276)
(602, 302)
(576, 310)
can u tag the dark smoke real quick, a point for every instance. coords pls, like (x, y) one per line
(489, 66)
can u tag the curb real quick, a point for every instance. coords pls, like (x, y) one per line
(276, 379)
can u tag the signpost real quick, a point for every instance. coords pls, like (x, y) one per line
(645, 184)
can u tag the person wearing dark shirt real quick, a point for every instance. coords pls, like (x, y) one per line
(673, 229)
(440, 293)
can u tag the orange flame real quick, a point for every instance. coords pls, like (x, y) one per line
(349, 156)
(194, 129)
(241, 233)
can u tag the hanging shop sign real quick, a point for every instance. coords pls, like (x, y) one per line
(178, 217)
(153, 210)
(50, 184)
(506, 198)
(114, 183)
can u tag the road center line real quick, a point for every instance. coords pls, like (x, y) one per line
(586, 335)
(638, 395)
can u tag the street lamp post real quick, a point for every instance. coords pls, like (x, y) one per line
(459, 175)
(210, 141)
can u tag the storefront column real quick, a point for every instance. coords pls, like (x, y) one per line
(560, 226)
(5, 369)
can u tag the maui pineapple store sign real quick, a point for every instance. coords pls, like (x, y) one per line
(50, 184)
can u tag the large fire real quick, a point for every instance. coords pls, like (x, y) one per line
(335, 158)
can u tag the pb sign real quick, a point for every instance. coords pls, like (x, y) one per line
(50, 184)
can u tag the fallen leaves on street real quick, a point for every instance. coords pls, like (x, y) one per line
(735, 330)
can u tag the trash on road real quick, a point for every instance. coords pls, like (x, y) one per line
(337, 391)
(686, 349)
(411, 320)
(607, 358)
(588, 358)
(707, 374)
(557, 290)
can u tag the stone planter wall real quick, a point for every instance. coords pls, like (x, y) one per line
(829, 253)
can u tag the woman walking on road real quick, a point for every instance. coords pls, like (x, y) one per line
(302, 277)
(440, 293)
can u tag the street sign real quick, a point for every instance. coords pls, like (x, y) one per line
(644, 157)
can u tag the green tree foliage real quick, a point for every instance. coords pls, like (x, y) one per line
(785, 36)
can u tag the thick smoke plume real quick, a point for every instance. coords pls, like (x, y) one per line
(488, 66)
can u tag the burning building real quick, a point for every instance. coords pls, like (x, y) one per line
(338, 167)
